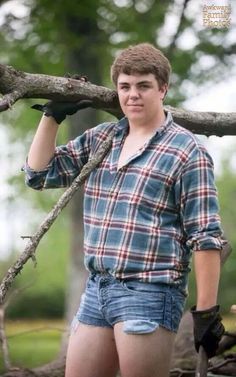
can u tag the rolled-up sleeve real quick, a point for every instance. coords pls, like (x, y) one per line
(65, 165)
(199, 203)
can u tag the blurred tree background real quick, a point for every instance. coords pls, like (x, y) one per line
(41, 36)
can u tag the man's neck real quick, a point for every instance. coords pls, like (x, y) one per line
(144, 129)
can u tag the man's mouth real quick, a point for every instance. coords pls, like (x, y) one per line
(134, 105)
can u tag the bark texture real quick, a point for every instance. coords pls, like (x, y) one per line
(15, 85)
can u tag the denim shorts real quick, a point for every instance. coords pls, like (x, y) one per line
(142, 307)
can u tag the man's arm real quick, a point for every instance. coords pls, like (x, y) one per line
(200, 211)
(207, 273)
(44, 143)
(208, 328)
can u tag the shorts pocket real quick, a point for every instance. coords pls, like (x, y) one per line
(142, 289)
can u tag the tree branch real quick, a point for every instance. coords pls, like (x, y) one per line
(178, 29)
(15, 85)
(3, 338)
(29, 251)
(205, 123)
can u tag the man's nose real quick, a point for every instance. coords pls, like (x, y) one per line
(133, 92)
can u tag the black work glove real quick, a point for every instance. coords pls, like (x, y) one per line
(59, 110)
(208, 329)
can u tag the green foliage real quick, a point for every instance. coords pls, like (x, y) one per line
(83, 37)
(42, 288)
(38, 304)
(33, 343)
(43, 40)
(226, 184)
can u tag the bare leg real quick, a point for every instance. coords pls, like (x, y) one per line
(145, 355)
(91, 352)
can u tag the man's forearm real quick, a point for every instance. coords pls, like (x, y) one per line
(44, 143)
(207, 272)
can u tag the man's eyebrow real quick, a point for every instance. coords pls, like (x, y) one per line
(144, 82)
(137, 83)
(123, 82)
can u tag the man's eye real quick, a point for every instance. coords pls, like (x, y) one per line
(145, 86)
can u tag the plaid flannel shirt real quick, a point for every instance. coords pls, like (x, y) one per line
(143, 220)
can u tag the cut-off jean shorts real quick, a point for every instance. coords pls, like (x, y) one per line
(142, 307)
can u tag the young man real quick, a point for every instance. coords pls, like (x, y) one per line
(149, 204)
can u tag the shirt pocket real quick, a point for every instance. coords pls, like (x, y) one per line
(152, 189)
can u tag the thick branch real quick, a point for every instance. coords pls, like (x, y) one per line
(29, 251)
(16, 84)
(206, 123)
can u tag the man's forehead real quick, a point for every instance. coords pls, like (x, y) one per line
(135, 78)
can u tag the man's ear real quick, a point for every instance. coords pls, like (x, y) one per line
(163, 90)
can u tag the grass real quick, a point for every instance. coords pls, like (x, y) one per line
(33, 343)
(229, 322)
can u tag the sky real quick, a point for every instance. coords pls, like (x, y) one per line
(218, 97)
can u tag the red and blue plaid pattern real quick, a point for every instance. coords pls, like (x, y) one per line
(143, 220)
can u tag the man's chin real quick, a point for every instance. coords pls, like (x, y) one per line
(135, 116)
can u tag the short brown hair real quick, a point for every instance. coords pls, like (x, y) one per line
(142, 58)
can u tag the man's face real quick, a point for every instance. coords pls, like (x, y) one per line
(140, 97)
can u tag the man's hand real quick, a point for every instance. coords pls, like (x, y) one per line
(59, 110)
(208, 329)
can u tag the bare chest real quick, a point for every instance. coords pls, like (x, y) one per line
(130, 147)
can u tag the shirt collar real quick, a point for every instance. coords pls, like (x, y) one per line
(167, 122)
(122, 125)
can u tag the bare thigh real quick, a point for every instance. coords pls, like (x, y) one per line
(145, 355)
(91, 352)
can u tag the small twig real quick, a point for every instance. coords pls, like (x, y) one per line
(202, 363)
(214, 368)
(221, 364)
(178, 30)
(29, 251)
(9, 99)
(182, 372)
(3, 338)
(39, 329)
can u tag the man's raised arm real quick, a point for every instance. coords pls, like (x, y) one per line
(44, 143)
